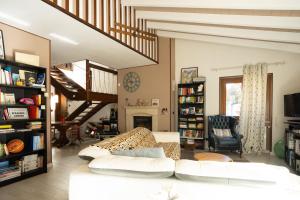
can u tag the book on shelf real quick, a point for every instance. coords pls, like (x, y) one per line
(200, 88)
(37, 142)
(37, 99)
(9, 172)
(199, 119)
(191, 119)
(34, 125)
(186, 91)
(290, 140)
(199, 111)
(200, 125)
(34, 112)
(192, 125)
(7, 130)
(200, 99)
(7, 98)
(192, 110)
(30, 162)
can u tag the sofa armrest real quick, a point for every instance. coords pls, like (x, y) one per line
(167, 137)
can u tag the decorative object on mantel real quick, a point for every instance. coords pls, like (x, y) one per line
(131, 82)
(141, 102)
(2, 51)
(164, 111)
(155, 102)
(187, 74)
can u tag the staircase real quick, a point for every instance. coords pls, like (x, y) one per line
(97, 94)
(86, 111)
(67, 86)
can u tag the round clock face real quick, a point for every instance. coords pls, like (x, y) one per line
(131, 82)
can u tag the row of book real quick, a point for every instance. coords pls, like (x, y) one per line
(34, 125)
(186, 91)
(30, 162)
(22, 78)
(191, 111)
(191, 125)
(38, 142)
(191, 119)
(192, 133)
(8, 172)
(193, 99)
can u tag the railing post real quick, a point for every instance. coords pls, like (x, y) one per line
(108, 16)
(88, 79)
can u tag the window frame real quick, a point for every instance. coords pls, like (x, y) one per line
(222, 90)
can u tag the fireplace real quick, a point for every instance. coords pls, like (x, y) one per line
(147, 113)
(142, 121)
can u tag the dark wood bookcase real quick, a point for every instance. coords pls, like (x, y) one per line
(292, 146)
(191, 114)
(26, 136)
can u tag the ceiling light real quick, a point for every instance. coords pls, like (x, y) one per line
(64, 39)
(13, 19)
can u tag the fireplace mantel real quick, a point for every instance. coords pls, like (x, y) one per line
(132, 111)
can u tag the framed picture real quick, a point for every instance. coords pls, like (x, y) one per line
(155, 102)
(2, 52)
(187, 74)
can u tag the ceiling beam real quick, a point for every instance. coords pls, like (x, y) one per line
(292, 48)
(220, 19)
(217, 4)
(262, 35)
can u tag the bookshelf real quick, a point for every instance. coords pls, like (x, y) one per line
(191, 114)
(23, 127)
(292, 146)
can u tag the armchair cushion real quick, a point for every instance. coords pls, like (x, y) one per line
(228, 141)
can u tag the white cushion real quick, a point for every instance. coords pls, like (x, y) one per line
(222, 132)
(229, 172)
(92, 152)
(133, 166)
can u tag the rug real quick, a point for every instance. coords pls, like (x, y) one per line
(189, 154)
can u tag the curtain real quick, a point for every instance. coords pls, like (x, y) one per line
(253, 109)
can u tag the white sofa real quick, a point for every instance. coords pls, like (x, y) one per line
(215, 182)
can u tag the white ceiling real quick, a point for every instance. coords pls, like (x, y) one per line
(269, 24)
(92, 45)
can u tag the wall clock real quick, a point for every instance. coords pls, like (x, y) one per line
(131, 82)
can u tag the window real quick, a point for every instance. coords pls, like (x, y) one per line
(231, 95)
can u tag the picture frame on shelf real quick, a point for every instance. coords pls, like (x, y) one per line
(155, 102)
(188, 74)
(2, 49)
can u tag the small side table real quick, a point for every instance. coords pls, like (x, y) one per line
(212, 157)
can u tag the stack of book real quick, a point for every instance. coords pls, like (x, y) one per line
(34, 125)
(6, 128)
(30, 162)
(8, 172)
(7, 98)
(37, 142)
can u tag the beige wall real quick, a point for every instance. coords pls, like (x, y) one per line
(155, 83)
(18, 40)
(208, 55)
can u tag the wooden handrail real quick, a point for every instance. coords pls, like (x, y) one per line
(120, 22)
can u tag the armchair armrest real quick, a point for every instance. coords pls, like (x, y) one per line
(167, 137)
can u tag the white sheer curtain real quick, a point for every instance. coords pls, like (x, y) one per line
(252, 120)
